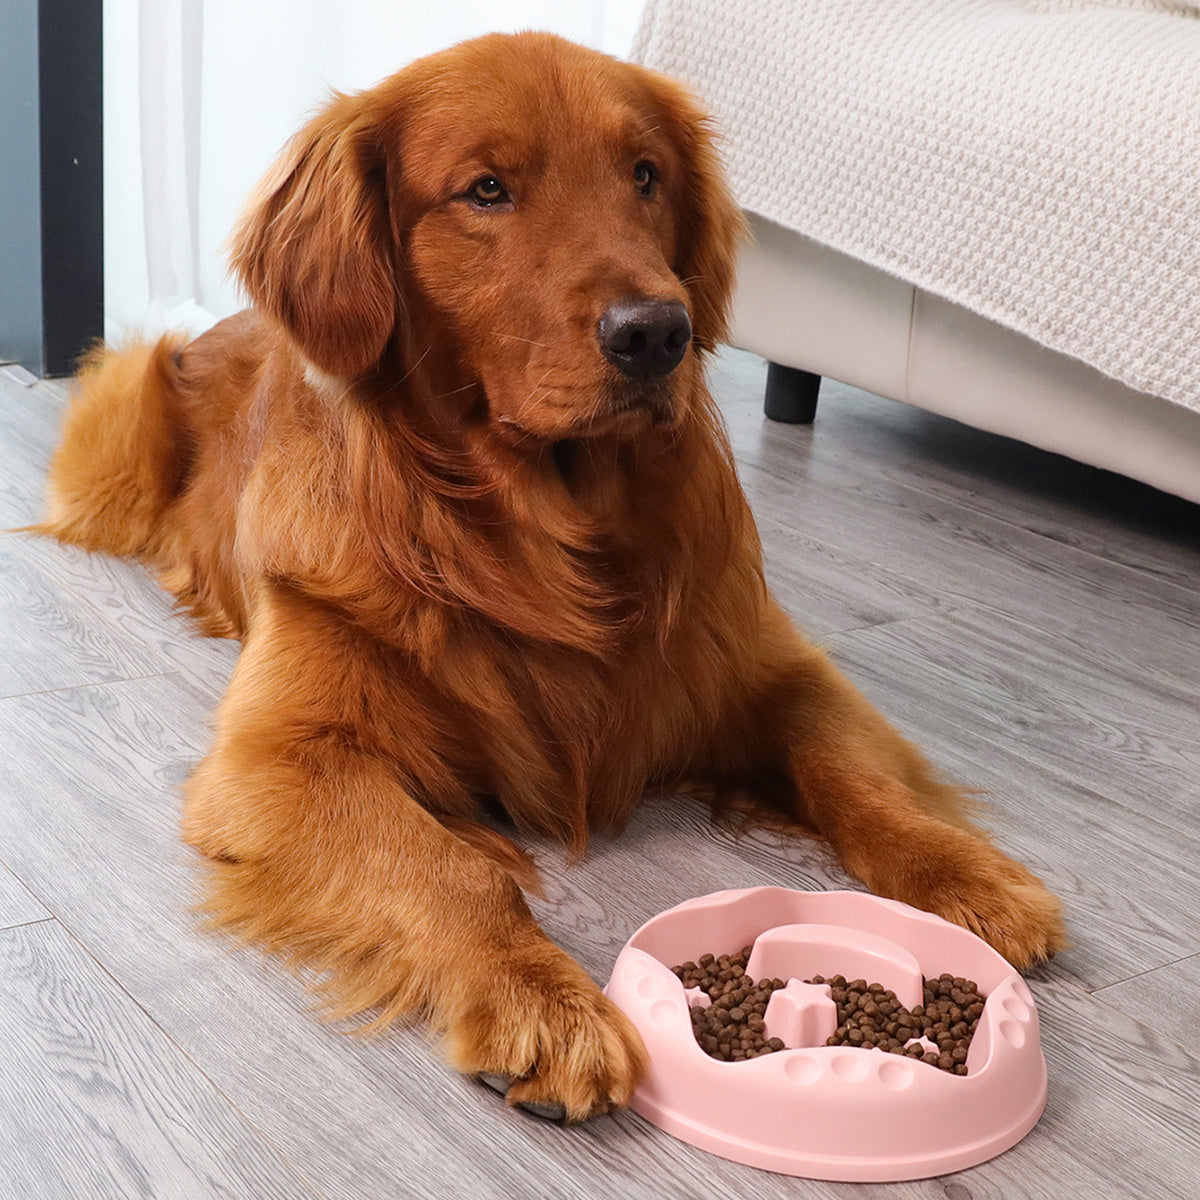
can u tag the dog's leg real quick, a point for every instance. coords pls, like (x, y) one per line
(320, 852)
(893, 824)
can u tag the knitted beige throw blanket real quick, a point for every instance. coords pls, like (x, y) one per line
(1037, 161)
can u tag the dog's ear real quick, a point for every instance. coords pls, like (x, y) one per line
(711, 225)
(314, 246)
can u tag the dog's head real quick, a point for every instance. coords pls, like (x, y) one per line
(548, 224)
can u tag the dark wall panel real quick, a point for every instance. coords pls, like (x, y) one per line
(51, 182)
(20, 189)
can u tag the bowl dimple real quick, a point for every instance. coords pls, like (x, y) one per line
(650, 985)
(896, 1074)
(663, 1012)
(851, 1067)
(802, 1068)
(632, 969)
(1016, 1008)
(1013, 1033)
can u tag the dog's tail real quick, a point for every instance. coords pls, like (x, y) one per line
(123, 454)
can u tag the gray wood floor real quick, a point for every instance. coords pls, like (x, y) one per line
(1035, 624)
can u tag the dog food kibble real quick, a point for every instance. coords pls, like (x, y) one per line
(733, 1027)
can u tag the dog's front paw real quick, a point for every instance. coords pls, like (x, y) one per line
(965, 879)
(540, 1022)
(1012, 910)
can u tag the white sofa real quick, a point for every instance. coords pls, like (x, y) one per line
(987, 208)
(802, 305)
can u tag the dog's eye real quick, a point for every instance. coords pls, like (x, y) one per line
(487, 192)
(645, 175)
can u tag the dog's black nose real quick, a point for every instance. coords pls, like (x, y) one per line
(645, 338)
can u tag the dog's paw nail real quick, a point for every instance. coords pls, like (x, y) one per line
(547, 1110)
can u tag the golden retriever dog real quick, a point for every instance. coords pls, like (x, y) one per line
(456, 482)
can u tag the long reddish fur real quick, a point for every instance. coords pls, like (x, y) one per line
(441, 605)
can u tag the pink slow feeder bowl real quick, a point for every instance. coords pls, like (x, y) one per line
(830, 1112)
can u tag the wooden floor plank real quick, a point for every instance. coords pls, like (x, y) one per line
(1066, 502)
(1121, 1115)
(29, 421)
(126, 594)
(1166, 999)
(826, 590)
(53, 641)
(964, 554)
(18, 905)
(969, 556)
(96, 1102)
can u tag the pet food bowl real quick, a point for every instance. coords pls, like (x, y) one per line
(830, 1112)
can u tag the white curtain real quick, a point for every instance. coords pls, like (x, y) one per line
(201, 94)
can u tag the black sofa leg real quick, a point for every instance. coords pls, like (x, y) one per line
(791, 394)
